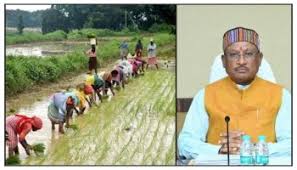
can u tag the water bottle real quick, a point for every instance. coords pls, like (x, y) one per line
(246, 151)
(262, 151)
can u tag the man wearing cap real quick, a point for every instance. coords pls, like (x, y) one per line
(18, 126)
(255, 106)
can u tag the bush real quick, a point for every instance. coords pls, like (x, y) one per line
(164, 28)
(97, 32)
(105, 32)
(90, 33)
(23, 72)
(16, 79)
(75, 35)
(109, 50)
(28, 37)
(83, 34)
(58, 35)
(161, 39)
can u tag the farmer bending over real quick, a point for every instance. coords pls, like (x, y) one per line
(17, 127)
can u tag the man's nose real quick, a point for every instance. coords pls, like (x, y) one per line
(242, 59)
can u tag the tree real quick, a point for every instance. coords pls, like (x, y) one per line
(53, 20)
(20, 26)
(76, 15)
(30, 19)
(68, 16)
(147, 15)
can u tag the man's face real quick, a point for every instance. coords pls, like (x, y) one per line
(241, 61)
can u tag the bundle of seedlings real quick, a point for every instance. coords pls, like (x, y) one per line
(38, 148)
(13, 160)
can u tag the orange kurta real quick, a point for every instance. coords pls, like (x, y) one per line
(252, 110)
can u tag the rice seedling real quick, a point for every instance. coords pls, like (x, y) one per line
(13, 160)
(38, 148)
(73, 126)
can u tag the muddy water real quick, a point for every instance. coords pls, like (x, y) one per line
(45, 48)
(52, 48)
(35, 102)
(136, 127)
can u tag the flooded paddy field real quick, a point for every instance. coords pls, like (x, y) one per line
(136, 127)
(42, 49)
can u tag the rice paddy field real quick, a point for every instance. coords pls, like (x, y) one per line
(134, 127)
(137, 127)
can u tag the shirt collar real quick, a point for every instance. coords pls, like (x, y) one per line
(242, 87)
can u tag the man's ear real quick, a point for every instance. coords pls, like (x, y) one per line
(223, 60)
(260, 58)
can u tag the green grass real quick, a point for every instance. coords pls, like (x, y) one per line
(73, 126)
(161, 39)
(29, 37)
(84, 33)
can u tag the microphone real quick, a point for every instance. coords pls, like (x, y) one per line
(227, 119)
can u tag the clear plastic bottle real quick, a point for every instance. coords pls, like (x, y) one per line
(246, 151)
(262, 151)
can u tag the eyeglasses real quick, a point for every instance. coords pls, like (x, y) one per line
(234, 56)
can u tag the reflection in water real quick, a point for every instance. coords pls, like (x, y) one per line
(44, 49)
(24, 51)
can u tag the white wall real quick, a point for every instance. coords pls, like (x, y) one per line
(200, 29)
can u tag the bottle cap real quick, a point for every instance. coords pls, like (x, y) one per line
(246, 137)
(261, 138)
